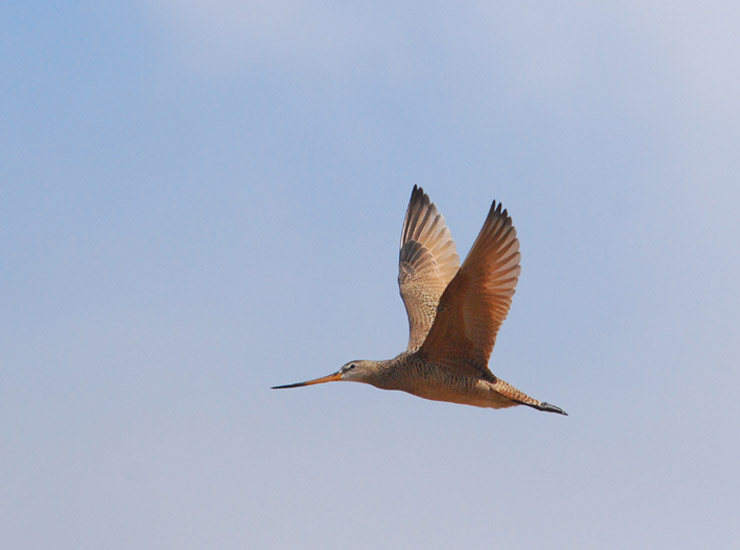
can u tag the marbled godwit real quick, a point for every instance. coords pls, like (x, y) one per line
(454, 313)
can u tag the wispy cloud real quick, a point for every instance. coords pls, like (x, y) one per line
(291, 35)
(544, 47)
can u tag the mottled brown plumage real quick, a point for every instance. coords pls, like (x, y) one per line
(427, 263)
(454, 313)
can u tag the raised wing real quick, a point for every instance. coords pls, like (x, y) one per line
(426, 264)
(477, 300)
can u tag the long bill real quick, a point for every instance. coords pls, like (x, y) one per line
(331, 378)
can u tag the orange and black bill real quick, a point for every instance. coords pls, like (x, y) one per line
(331, 378)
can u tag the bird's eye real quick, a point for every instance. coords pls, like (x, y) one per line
(351, 366)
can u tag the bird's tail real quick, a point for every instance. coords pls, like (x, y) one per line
(507, 390)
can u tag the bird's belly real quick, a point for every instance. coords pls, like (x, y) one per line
(466, 391)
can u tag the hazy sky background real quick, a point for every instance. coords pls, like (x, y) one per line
(203, 199)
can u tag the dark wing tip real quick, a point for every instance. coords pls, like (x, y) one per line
(498, 209)
(419, 208)
(417, 193)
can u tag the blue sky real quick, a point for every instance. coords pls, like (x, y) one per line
(204, 199)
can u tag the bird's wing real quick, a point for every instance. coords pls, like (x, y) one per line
(477, 300)
(426, 264)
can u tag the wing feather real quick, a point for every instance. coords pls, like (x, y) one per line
(476, 301)
(427, 263)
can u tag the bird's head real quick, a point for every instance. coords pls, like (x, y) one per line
(354, 371)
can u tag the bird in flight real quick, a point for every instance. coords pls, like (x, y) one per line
(454, 313)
